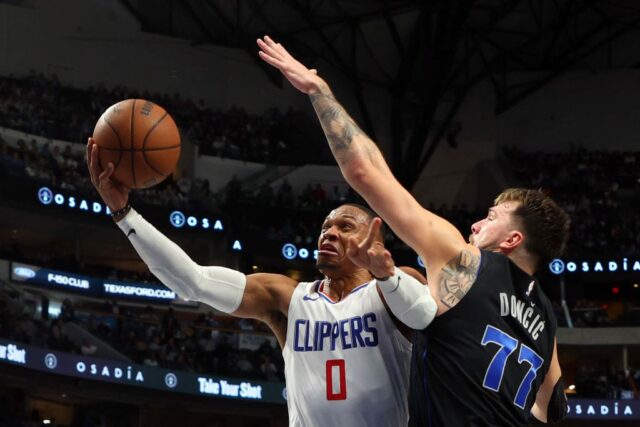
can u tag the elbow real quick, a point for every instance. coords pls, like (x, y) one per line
(182, 281)
(360, 177)
(355, 172)
(421, 313)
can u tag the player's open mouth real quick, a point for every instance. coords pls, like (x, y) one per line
(327, 249)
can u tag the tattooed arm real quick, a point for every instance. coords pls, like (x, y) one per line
(436, 240)
(457, 277)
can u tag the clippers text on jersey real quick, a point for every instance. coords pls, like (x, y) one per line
(320, 335)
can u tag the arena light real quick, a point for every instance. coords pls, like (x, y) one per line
(290, 251)
(46, 421)
(178, 220)
(131, 374)
(46, 196)
(54, 279)
(572, 387)
(619, 265)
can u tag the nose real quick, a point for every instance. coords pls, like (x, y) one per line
(331, 233)
(475, 228)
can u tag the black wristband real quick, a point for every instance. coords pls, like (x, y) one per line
(380, 279)
(121, 212)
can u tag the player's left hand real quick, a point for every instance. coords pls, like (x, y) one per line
(371, 253)
(301, 77)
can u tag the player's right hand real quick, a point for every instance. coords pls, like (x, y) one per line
(114, 194)
(370, 253)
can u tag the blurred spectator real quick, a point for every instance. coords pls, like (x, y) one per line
(40, 105)
(87, 348)
(597, 189)
(587, 313)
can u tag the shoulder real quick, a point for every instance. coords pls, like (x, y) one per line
(271, 287)
(544, 301)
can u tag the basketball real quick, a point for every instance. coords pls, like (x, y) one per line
(141, 140)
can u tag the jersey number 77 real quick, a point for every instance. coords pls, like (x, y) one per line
(507, 345)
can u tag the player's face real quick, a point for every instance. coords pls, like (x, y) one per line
(489, 233)
(341, 224)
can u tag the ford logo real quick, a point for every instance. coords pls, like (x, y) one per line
(25, 272)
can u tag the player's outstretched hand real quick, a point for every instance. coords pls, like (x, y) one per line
(370, 253)
(114, 194)
(302, 78)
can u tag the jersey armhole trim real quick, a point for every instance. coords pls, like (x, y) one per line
(292, 303)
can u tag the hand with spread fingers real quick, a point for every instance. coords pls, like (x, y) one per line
(370, 253)
(302, 78)
(114, 194)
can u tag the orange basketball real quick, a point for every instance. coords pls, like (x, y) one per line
(141, 140)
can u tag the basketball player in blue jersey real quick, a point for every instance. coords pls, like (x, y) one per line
(490, 357)
(346, 360)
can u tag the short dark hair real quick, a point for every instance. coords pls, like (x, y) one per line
(370, 215)
(545, 224)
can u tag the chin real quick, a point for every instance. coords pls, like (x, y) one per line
(323, 265)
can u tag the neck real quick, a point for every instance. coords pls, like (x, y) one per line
(525, 262)
(340, 286)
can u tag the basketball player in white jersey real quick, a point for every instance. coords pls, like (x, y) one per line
(346, 361)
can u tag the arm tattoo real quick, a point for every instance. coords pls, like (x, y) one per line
(338, 126)
(457, 277)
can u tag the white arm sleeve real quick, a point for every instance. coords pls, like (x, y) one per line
(409, 300)
(219, 287)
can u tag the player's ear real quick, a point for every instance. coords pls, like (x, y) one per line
(513, 240)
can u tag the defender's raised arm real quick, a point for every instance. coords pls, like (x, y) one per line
(438, 242)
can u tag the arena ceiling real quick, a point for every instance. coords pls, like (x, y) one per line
(427, 54)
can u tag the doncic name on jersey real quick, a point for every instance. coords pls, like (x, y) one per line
(320, 335)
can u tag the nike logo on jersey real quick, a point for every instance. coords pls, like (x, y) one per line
(397, 285)
(310, 297)
(132, 231)
(531, 285)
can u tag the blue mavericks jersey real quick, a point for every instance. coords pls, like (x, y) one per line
(482, 362)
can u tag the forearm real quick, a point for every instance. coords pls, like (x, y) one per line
(409, 300)
(351, 147)
(220, 287)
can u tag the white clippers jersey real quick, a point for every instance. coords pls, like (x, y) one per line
(346, 363)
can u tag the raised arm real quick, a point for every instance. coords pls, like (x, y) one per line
(446, 254)
(257, 296)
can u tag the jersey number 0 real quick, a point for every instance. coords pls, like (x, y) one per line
(506, 346)
(336, 380)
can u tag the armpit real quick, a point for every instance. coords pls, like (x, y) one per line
(457, 277)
